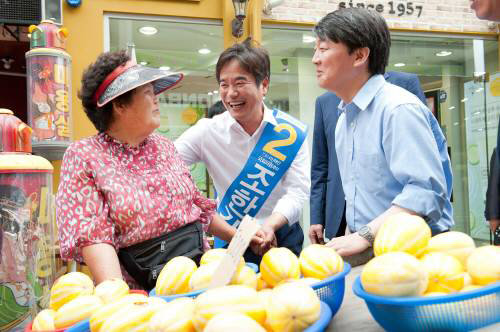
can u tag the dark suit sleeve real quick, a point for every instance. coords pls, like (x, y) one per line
(492, 210)
(413, 85)
(319, 168)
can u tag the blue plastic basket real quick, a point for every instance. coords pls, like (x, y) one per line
(324, 319)
(169, 298)
(83, 326)
(454, 312)
(331, 290)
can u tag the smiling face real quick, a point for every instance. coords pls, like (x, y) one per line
(240, 94)
(486, 9)
(334, 64)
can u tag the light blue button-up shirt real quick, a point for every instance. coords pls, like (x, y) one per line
(389, 154)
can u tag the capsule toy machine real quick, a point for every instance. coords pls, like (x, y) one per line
(48, 69)
(27, 242)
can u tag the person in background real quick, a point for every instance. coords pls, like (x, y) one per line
(490, 10)
(486, 9)
(216, 109)
(126, 191)
(492, 206)
(388, 158)
(252, 174)
(327, 199)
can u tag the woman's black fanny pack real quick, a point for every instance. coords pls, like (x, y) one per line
(144, 261)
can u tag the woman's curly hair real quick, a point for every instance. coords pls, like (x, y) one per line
(92, 77)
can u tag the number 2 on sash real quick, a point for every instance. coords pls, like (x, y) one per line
(270, 146)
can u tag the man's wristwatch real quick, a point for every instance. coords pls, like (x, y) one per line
(366, 233)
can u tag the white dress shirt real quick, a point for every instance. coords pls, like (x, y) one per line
(224, 146)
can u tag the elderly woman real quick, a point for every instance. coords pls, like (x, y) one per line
(124, 195)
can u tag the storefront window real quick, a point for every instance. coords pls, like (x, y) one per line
(451, 69)
(187, 46)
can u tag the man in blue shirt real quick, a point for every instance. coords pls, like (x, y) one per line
(327, 199)
(387, 153)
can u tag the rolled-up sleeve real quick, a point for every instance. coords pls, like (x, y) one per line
(81, 209)
(414, 161)
(297, 184)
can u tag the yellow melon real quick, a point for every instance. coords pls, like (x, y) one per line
(470, 288)
(261, 284)
(292, 307)
(202, 277)
(319, 261)
(132, 317)
(483, 265)
(402, 232)
(215, 255)
(99, 316)
(157, 303)
(111, 290)
(304, 281)
(467, 279)
(395, 274)
(457, 244)
(245, 276)
(238, 298)
(175, 275)
(279, 264)
(264, 296)
(309, 281)
(232, 321)
(79, 309)
(175, 316)
(446, 273)
(69, 287)
(44, 321)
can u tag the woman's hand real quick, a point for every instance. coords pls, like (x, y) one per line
(256, 242)
(267, 240)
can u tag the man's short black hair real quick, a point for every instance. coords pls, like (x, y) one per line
(357, 28)
(216, 109)
(254, 59)
(93, 76)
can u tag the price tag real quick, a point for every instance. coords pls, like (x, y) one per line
(235, 250)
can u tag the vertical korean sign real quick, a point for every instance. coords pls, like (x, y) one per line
(48, 72)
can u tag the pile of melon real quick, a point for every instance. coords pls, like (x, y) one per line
(409, 262)
(74, 298)
(278, 299)
(290, 307)
(279, 265)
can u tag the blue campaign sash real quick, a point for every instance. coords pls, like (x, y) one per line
(270, 159)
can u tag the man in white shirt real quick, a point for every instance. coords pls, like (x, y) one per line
(254, 155)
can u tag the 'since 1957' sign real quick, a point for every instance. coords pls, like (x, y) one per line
(392, 7)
